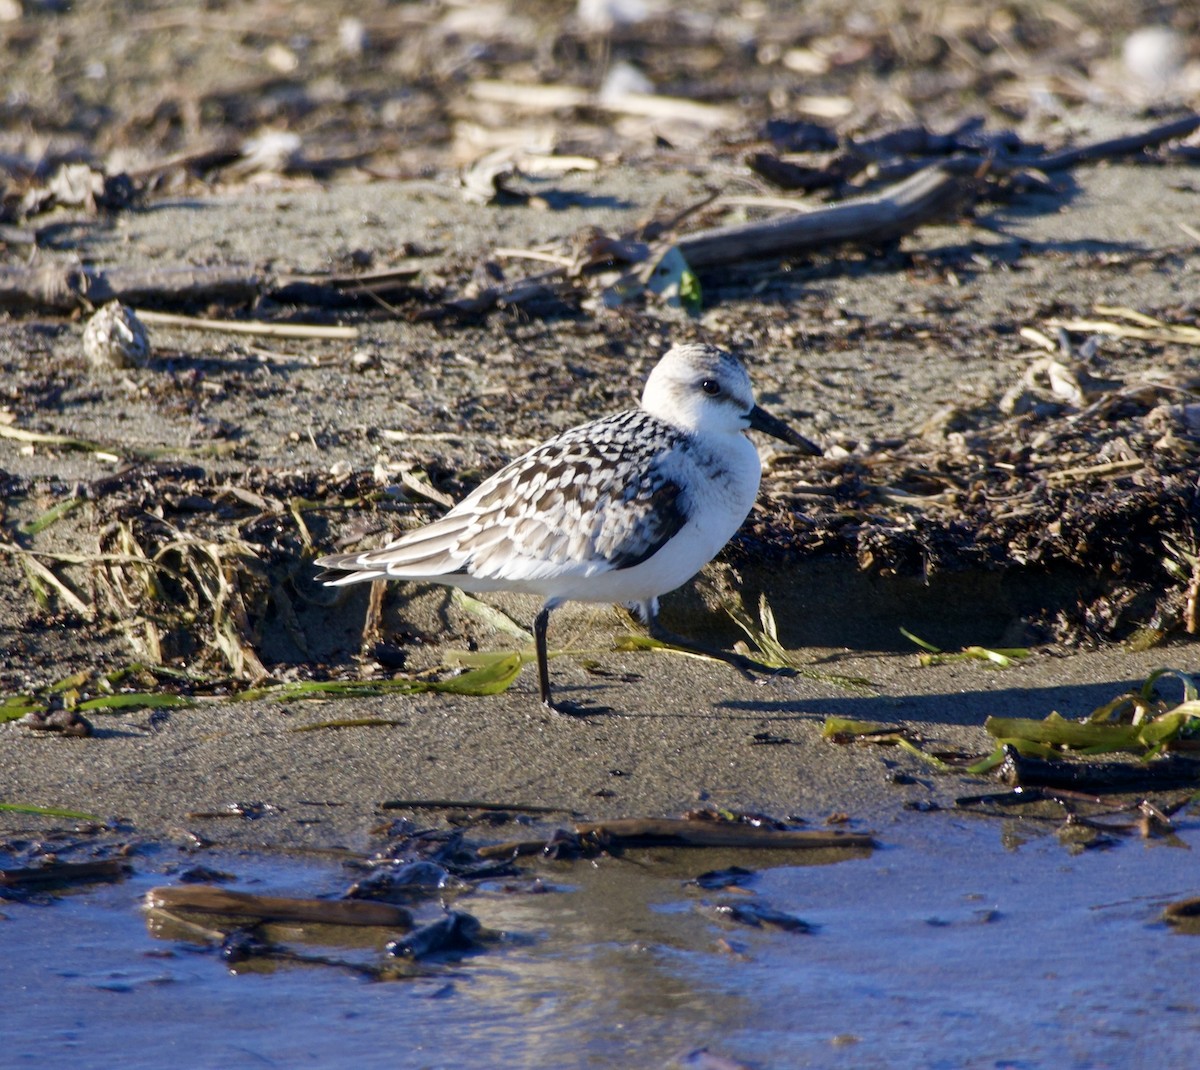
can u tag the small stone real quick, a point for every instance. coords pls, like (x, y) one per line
(115, 338)
(352, 36)
(1154, 55)
(67, 722)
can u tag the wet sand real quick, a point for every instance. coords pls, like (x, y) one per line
(682, 734)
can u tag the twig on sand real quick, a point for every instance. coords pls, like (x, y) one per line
(273, 330)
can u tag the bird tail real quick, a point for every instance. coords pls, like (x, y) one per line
(337, 570)
(424, 554)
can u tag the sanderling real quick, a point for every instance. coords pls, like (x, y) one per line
(622, 509)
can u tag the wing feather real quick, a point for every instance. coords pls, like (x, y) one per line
(601, 497)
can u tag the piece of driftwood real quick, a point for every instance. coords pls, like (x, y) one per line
(1035, 163)
(1098, 777)
(67, 287)
(679, 832)
(1181, 911)
(878, 218)
(63, 288)
(676, 832)
(209, 899)
(456, 932)
(365, 288)
(64, 872)
(788, 175)
(1112, 148)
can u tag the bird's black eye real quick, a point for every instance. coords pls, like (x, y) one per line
(711, 387)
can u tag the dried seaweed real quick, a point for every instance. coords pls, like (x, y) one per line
(1003, 658)
(1101, 494)
(770, 651)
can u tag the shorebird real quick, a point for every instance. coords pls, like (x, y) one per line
(622, 509)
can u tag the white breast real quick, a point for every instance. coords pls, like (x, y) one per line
(721, 476)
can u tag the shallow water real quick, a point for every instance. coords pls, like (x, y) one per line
(943, 948)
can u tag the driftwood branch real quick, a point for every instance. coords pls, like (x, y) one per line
(1115, 147)
(881, 217)
(64, 288)
(675, 832)
(875, 219)
(972, 164)
(207, 899)
(667, 832)
(64, 872)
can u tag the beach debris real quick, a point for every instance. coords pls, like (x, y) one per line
(1078, 811)
(213, 899)
(730, 877)
(937, 177)
(48, 811)
(60, 706)
(79, 185)
(756, 916)
(845, 730)
(406, 882)
(115, 338)
(67, 721)
(1129, 323)
(590, 838)
(1139, 720)
(251, 327)
(53, 871)
(1030, 753)
(1183, 915)
(456, 933)
(1050, 766)
(1182, 560)
(770, 651)
(1000, 658)
(414, 868)
(491, 178)
(1066, 381)
(1161, 774)
(703, 1059)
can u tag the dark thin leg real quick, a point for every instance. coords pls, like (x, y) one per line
(746, 666)
(540, 623)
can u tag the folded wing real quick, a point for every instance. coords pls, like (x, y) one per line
(594, 499)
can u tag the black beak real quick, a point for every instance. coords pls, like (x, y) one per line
(761, 420)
